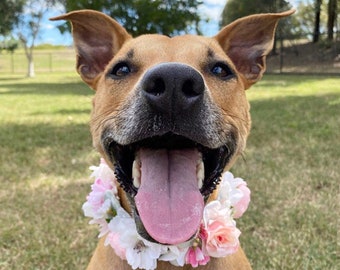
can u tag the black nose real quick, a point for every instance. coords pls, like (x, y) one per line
(173, 87)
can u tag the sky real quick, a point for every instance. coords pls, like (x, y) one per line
(210, 9)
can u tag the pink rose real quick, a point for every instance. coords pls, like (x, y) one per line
(97, 196)
(241, 205)
(222, 239)
(196, 257)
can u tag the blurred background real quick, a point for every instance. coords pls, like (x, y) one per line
(291, 162)
(307, 42)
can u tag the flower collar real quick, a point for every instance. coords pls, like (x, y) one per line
(217, 236)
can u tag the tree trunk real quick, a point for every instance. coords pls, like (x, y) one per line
(30, 70)
(316, 34)
(332, 12)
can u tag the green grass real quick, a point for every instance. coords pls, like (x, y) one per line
(291, 165)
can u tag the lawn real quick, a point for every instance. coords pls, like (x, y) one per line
(291, 165)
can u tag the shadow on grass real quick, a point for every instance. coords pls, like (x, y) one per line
(42, 148)
(66, 88)
(297, 130)
(45, 228)
(66, 112)
(11, 78)
(286, 116)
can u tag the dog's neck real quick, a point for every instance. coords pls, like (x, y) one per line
(216, 237)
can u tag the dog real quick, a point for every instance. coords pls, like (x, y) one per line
(168, 102)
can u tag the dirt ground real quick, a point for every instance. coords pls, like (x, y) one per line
(306, 58)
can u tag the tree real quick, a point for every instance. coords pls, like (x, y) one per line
(317, 14)
(9, 17)
(235, 9)
(9, 44)
(305, 17)
(29, 26)
(332, 14)
(168, 17)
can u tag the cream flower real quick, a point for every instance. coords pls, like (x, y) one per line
(222, 239)
(234, 193)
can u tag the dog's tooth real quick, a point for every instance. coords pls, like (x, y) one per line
(200, 183)
(136, 183)
(136, 173)
(200, 174)
(199, 160)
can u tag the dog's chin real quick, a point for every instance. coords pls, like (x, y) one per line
(167, 179)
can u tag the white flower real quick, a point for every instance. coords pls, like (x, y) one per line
(103, 171)
(215, 210)
(140, 253)
(143, 254)
(103, 226)
(88, 209)
(234, 193)
(175, 254)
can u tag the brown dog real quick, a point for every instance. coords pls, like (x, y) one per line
(163, 99)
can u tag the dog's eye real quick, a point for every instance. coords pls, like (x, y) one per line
(120, 70)
(222, 70)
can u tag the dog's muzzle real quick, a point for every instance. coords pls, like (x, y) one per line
(169, 168)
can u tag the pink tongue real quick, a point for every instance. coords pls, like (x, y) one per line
(169, 202)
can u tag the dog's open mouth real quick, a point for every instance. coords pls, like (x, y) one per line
(168, 178)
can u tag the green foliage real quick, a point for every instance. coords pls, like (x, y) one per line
(9, 45)
(168, 17)
(9, 15)
(305, 17)
(291, 165)
(235, 9)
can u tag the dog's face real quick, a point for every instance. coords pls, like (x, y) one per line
(170, 114)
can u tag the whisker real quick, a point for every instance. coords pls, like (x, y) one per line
(229, 114)
(104, 118)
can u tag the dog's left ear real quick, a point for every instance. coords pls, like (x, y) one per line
(97, 38)
(247, 41)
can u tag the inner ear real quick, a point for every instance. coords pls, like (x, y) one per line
(97, 38)
(93, 56)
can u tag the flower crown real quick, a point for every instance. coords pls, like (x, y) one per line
(217, 236)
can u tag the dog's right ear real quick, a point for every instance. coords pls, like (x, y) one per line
(97, 38)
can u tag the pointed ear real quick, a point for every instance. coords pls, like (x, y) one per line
(247, 42)
(97, 39)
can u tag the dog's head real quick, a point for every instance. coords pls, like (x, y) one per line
(170, 114)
